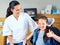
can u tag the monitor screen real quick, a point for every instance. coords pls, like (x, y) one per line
(31, 11)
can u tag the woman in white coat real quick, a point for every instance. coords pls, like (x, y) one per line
(16, 25)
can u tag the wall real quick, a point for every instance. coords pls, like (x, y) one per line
(39, 4)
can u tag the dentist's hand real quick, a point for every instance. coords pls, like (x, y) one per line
(11, 44)
(24, 42)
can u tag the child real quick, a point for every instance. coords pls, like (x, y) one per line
(40, 35)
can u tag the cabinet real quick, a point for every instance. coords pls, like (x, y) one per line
(1, 26)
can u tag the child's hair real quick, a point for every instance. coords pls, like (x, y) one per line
(44, 17)
(45, 38)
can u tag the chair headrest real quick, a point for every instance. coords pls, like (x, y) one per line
(50, 21)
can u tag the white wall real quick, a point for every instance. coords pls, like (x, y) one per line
(3, 7)
(39, 4)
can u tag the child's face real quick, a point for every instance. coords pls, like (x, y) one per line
(42, 24)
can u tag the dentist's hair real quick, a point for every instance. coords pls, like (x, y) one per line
(11, 6)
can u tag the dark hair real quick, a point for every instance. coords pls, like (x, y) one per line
(46, 30)
(11, 6)
(44, 17)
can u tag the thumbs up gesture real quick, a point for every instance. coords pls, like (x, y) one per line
(50, 33)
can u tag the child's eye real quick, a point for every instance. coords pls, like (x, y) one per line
(17, 10)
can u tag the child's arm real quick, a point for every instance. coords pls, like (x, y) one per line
(57, 38)
(51, 34)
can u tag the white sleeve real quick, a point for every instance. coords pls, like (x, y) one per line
(32, 24)
(6, 29)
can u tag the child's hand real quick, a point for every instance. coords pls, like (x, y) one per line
(50, 34)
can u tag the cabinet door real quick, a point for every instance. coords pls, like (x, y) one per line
(1, 40)
(1, 26)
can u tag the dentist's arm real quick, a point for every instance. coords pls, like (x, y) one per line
(10, 39)
(26, 39)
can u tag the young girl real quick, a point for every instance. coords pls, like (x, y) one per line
(43, 29)
(40, 35)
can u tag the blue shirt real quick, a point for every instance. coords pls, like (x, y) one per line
(40, 40)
